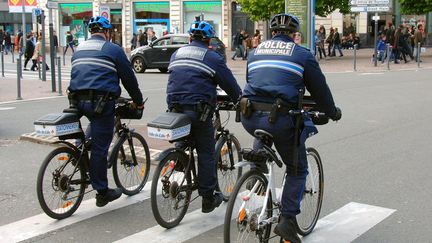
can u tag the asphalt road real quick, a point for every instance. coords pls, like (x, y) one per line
(378, 154)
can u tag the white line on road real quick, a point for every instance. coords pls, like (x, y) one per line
(347, 223)
(343, 225)
(41, 224)
(6, 108)
(193, 224)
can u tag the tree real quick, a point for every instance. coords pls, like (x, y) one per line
(416, 6)
(264, 9)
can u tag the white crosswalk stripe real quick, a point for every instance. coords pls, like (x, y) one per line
(343, 225)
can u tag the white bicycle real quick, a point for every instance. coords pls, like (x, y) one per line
(255, 203)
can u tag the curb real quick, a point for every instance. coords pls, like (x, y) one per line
(49, 140)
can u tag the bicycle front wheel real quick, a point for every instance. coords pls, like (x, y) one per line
(60, 183)
(311, 203)
(132, 167)
(227, 154)
(244, 207)
(171, 189)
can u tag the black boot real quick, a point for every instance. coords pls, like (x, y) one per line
(103, 198)
(286, 228)
(209, 203)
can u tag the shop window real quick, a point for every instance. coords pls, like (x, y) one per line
(211, 11)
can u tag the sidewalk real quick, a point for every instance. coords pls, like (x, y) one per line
(32, 87)
(346, 63)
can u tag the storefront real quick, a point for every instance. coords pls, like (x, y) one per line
(116, 21)
(72, 17)
(211, 11)
(152, 15)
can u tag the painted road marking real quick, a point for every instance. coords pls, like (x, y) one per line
(41, 224)
(343, 225)
(192, 225)
(7, 108)
(347, 223)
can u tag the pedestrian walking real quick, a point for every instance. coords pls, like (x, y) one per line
(142, 38)
(329, 41)
(37, 57)
(336, 43)
(8, 43)
(29, 50)
(418, 38)
(134, 41)
(238, 45)
(55, 42)
(69, 42)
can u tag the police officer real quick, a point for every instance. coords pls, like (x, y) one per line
(195, 71)
(276, 70)
(97, 66)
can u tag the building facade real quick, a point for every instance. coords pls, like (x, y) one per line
(175, 16)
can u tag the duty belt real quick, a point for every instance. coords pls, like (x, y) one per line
(261, 106)
(93, 94)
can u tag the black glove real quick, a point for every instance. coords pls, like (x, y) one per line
(337, 115)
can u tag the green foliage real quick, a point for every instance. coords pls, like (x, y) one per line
(264, 9)
(416, 6)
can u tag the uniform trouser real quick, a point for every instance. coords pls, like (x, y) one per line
(67, 46)
(204, 141)
(283, 133)
(101, 134)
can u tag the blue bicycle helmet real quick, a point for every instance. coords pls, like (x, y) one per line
(285, 22)
(98, 24)
(202, 29)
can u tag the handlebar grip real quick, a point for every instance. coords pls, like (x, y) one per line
(237, 110)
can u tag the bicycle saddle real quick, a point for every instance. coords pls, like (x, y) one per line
(264, 136)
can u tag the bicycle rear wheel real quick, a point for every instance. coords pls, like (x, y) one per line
(226, 156)
(132, 165)
(171, 189)
(60, 183)
(313, 195)
(244, 207)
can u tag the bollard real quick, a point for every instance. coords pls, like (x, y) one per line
(19, 79)
(2, 60)
(13, 54)
(20, 70)
(39, 70)
(418, 54)
(389, 53)
(355, 57)
(59, 76)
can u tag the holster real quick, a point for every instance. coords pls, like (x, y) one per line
(275, 109)
(245, 107)
(204, 111)
(73, 100)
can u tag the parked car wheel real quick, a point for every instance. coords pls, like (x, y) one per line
(138, 64)
(163, 70)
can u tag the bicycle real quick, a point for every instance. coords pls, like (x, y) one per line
(255, 204)
(175, 178)
(64, 174)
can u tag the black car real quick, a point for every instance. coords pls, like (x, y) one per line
(158, 53)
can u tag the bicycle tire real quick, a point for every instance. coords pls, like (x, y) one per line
(58, 181)
(246, 217)
(226, 178)
(311, 203)
(174, 164)
(125, 162)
